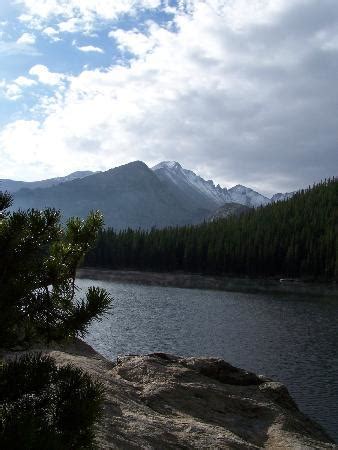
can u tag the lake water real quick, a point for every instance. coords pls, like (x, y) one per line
(292, 339)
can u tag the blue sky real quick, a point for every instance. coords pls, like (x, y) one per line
(60, 52)
(239, 91)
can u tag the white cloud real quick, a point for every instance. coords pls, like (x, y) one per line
(248, 98)
(13, 91)
(10, 48)
(45, 76)
(26, 39)
(24, 81)
(90, 48)
(52, 33)
(134, 41)
(80, 14)
(72, 25)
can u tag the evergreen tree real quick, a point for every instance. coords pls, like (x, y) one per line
(37, 275)
(296, 237)
(43, 406)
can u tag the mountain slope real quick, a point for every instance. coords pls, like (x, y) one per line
(205, 192)
(197, 190)
(129, 196)
(13, 186)
(248, 197)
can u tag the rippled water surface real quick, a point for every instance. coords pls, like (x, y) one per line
(289, 338)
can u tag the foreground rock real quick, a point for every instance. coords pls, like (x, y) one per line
(160, 401)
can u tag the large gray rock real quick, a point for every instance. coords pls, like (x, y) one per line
(159, 401)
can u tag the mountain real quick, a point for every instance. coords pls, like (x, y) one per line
(193, 187)
(281, 197)
(196, 187)
(248, 197)
(229, 209)
(131, 195)
(13, 186)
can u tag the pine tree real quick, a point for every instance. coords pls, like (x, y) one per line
(42, 405)
(296, 237)
(37, 275)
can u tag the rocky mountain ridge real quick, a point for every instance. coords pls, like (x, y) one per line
(135, 196)
(173, 171)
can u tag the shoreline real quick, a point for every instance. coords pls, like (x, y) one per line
(208, 282)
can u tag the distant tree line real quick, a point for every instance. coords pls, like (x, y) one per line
(293, 238)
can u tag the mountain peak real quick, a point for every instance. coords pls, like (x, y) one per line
(240, 187)
(133, 165)
(170, 165)
(79, 174)
(247, 196)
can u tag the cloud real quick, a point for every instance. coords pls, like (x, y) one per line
(134, 41)
(52, 33)
(24, 81)
(76, 15)
(73, 25)
(9, 48)
(13, 91)
(240, 98)
(26, 39)
(45, 76)
(90, 48)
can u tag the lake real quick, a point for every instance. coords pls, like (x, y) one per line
(290, 338)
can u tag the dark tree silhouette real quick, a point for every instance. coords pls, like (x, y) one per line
(296, 238)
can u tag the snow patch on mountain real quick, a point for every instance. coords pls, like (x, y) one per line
(281, 197)
(248, 197)
(173, 171)
(237, 194)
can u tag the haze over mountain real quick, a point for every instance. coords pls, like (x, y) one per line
(14, 186)
(133, 195)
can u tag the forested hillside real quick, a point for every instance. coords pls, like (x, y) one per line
(296, 237)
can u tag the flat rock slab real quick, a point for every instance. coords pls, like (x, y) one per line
(160, 401)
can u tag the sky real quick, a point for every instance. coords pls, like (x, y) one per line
(240, 91)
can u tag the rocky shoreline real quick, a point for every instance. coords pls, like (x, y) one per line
(197, 281)
(160, 401)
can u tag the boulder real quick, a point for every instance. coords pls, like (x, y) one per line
(161, 401)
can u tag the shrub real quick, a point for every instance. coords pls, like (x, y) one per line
(46, 407)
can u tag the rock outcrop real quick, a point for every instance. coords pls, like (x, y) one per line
(159, 401)
(228, 210)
